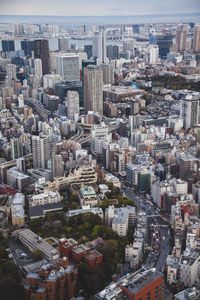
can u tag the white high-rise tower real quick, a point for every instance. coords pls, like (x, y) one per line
(73, 105)
(99, 47)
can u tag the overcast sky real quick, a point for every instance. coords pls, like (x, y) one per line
(97, 7)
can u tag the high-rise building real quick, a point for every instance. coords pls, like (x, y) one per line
(41, 50)
(190, 110)
(63, 44)
(113, 52)
(88, 50)
(93, 89)
(152, 36)
(62, 88)
(99, 46)
(41, 151)
(108, 73)
(196, 41)
(153, 54)
(68, 67)
(86, 63)
(11, 73)
(164, 43)
(57, 165)
(8, 45)
(38, 67)
(28, 47)
(181, 37)
(73, 105)
(16, 148)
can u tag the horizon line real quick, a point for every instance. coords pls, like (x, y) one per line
(124, 15)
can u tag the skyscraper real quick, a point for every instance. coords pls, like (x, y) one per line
(164, 43)
(8, 45)
(68, 67)
(153, 54)
(196, 41)
(73, 105)
(99, 46)
(93, 89)
(28, 47)
(88, 50)
(41, 151)
(11, 73)
(16, 148)
(41, 50)
(113, 52)
(63, 44)
(108, 73)
(57, 165)
(38, 67)
(181, 37)
(190, 110)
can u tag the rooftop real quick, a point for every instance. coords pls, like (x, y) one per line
(35, 241)
(133, 282)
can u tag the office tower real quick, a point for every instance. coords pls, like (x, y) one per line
(188, 164)
(93, 89)
(181, 37)
(164, 43)
(153, 54)
(113, 52)
(99, 47)
(16, 148)
(63, 44)
(196, 41)
(136, 28)
(73, 105)
(57, 165)
(108, 73)
(41, 151)
(88, 50)
(62, 88)
(68, 67)
(41, 50)
(8, 45)
(51, 102)
(86, 63)
(152, 36)
(38, 67)
(28, 47)
(190, 110)
(11, 73)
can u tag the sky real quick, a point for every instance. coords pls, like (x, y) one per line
(97, 7)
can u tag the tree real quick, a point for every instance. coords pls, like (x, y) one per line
(110, 256)
(10, 282)
(37, 254)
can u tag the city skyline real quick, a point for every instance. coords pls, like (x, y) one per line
(89, 8)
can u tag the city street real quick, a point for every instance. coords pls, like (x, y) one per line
(156, 260)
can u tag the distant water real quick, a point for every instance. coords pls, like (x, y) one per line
(100, 20)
